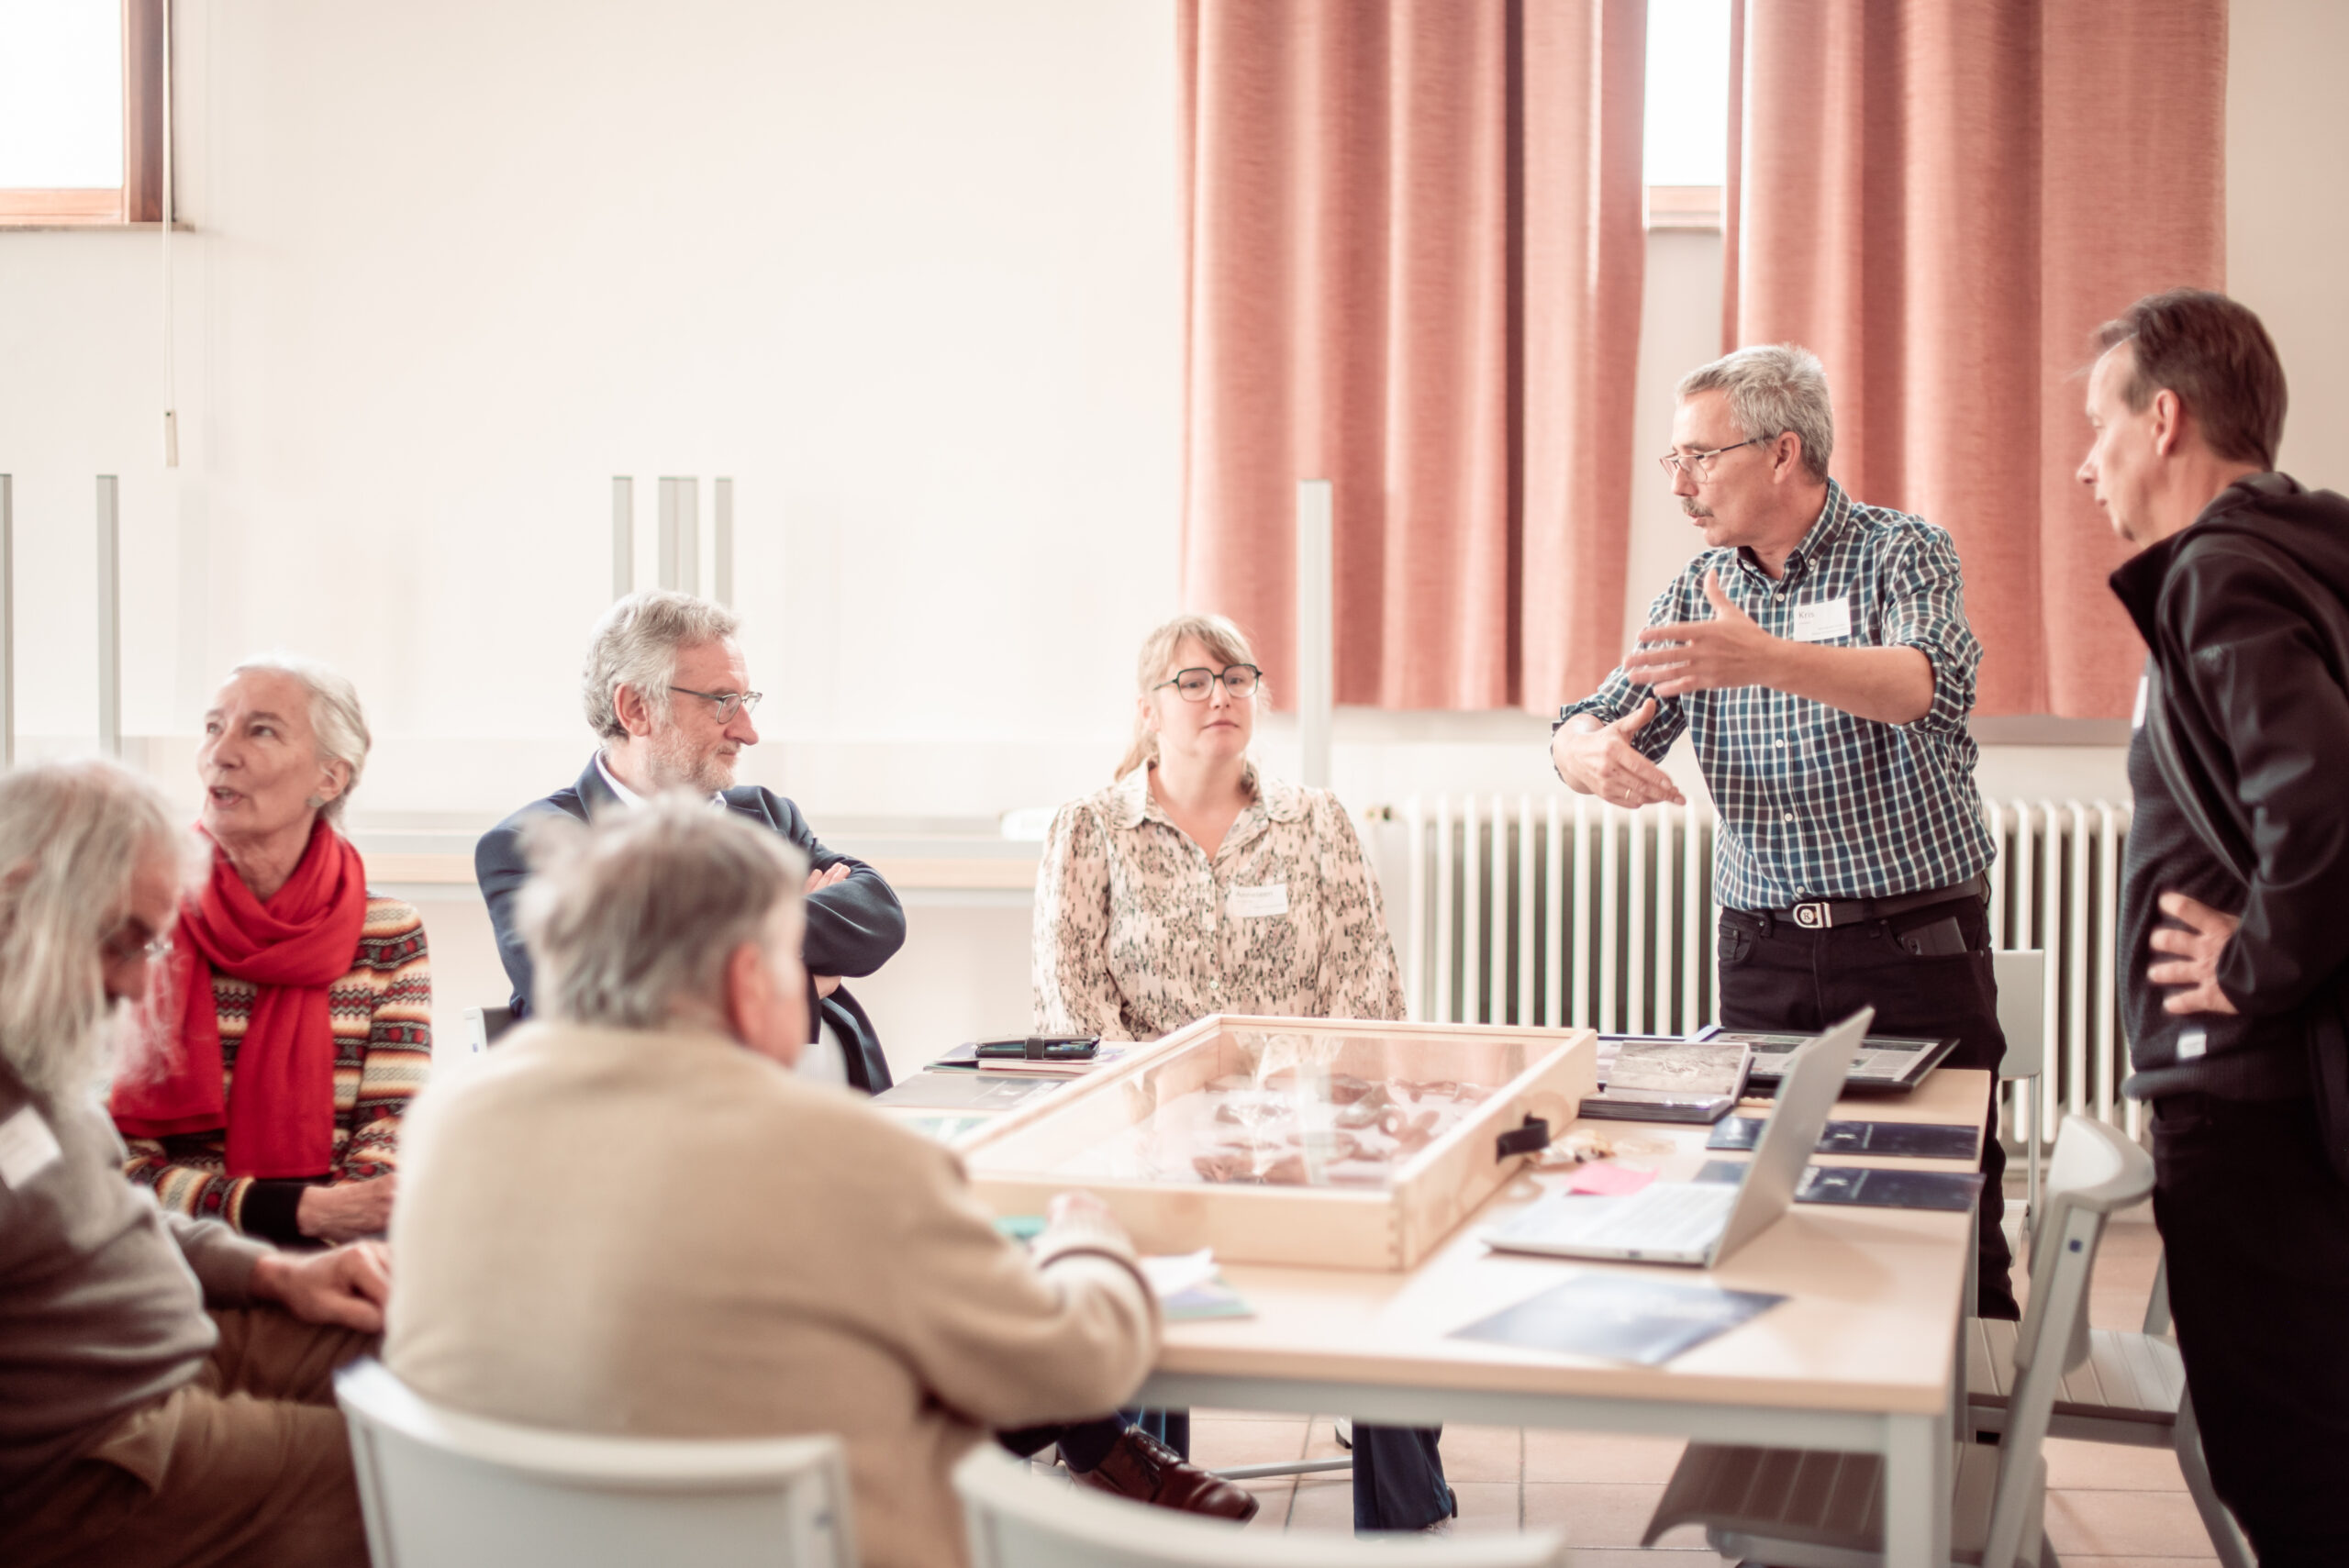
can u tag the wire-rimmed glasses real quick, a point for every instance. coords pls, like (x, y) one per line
(1699, 464)
(1195, 684)
(728, 703)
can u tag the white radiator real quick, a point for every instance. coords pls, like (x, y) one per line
(1557, 909)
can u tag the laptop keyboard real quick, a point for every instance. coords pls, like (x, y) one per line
(1667, 1217)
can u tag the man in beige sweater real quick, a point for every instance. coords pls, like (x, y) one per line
(633, 1218)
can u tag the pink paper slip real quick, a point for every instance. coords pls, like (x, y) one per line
(1607, 1179)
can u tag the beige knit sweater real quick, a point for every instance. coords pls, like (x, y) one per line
(665, 1235)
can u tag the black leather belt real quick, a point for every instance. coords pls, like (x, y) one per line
(1819, 914)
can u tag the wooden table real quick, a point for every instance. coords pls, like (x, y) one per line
(1861, 1357)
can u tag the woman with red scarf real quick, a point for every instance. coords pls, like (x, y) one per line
(296, 1023)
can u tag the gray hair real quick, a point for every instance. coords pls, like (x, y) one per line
(73, 838)
(636, 645)
(1773, 389)
(338, 724)
(634, 918)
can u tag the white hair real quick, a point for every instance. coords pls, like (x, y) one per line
(338, 724)
(636, 645)
(73, 837)
(1773, 389)
(633, 920)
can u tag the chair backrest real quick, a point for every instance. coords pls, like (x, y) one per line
(2023, 1010)
(441, 1489)
(2096, 1172)
(483, 1025)
(1018, 1519)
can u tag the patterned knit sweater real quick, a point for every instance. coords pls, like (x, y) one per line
(383, 1050)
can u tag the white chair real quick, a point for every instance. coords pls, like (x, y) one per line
(1809, 1508)
(2022, 1017)
(1015, 1519)
(2131, 1390)
(445, 1490)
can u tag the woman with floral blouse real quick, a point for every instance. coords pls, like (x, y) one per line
(1196, 884)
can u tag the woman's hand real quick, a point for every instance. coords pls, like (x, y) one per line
(346, 1211)
(347, 1287)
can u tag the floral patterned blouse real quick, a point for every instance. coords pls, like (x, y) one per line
(1140, 932)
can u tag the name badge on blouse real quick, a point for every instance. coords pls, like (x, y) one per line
(1255, 903)
(1824, 621)
(26, 1148)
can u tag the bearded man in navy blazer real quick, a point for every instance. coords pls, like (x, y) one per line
(668, 693)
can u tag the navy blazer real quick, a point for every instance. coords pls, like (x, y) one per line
(854, 926)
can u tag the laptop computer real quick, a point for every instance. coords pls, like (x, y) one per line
(1703, 1222)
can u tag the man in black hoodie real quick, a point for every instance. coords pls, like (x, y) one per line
(2234, 918)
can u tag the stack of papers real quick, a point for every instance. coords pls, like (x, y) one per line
(1620, 1317)
(1190, 1287)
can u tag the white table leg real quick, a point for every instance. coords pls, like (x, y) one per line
(1916, 1492)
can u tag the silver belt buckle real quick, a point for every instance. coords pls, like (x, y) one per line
(1817, 915)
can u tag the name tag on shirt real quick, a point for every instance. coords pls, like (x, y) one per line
(26, 1148)
(1255, 903)
(1824, 621)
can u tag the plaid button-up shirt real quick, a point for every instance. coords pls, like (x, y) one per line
(1814, 801)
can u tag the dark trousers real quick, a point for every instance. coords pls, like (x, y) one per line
(2256, 1227)
(1398, 1474)
(1778, 976)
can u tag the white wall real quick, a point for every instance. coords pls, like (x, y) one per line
(907, 272)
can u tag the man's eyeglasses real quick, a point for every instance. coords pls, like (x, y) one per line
(123, 946)
(1195, 685)
(1698, 465)
(728, 703)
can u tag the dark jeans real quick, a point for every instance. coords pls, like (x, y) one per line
(2256, 1227)
(1398, 1478)
(1777, 976)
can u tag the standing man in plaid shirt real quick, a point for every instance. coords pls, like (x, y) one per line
(1817, 652)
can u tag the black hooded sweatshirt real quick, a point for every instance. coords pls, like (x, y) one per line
(2243, 615)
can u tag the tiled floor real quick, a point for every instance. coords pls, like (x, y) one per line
(2107, 1508)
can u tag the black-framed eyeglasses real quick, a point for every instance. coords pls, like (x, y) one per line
(1193, 684)
(728, 703)
(1700, 465)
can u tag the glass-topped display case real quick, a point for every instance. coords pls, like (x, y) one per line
(1294, 1141)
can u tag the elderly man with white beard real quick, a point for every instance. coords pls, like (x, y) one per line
(166, 1383)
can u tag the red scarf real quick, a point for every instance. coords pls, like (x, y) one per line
(280, 1110)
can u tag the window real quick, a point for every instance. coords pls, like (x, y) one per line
(81, 112)
(1687, 112)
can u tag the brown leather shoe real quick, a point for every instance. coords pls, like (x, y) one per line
(1143, 1468)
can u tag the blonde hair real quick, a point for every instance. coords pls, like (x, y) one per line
(1224, 640)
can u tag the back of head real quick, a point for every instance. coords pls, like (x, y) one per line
(1772, 388)
(636, 645)
(1222, 639)
(72, 837)
(631, 921)
(2217, 357)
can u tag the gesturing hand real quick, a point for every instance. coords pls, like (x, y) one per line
(1704, 655)
(1604, 762)
(2197, 947)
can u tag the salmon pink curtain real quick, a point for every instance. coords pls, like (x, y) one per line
(1944, 198)
(1413, 254)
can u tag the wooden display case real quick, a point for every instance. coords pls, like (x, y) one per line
(1341, 1144)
